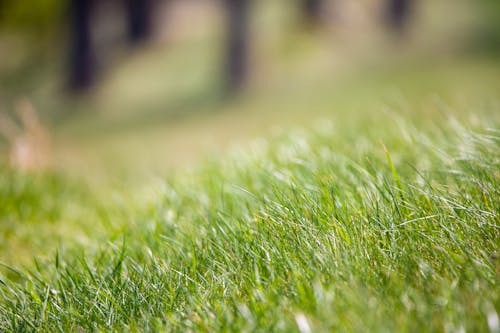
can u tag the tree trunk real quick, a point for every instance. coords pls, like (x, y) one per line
(82, 69)
(237, 52)
(398, 12)
(313, 10)
(139, 20)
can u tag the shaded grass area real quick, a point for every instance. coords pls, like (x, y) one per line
(395, 228)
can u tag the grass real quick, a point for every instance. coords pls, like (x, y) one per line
(391, 231)
(368, 200)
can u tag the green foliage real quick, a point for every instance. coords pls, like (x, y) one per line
(33, 16)
(310, 231)
(486, 35)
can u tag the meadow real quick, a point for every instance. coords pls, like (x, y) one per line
(384, 223)
(364, 201)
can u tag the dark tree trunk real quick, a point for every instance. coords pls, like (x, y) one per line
(82, 69)
(313, 10)
(139, 20)
(398, 12)
(237, 52)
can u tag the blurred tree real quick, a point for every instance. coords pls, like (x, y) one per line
(397, 13)
(82, 63)
(486, 37)
(138, 20)
(238, 36)
(313, 10)
(33, 18)
(82, 55)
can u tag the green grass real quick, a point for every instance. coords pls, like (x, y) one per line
(378, 212)
(381, 227)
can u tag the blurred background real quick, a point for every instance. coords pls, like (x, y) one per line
(131, 88)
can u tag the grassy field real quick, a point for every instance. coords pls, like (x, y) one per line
(313, 233)
(367, 221)
(350, 189)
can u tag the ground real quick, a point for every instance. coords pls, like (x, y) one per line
(354, 186)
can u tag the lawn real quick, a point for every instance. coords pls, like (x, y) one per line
(358, 195)
(386, 223)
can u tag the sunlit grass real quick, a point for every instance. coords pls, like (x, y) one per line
(378, 212)
(395, 228)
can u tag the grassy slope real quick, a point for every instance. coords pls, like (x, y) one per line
(321, 228)
(316, 227)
